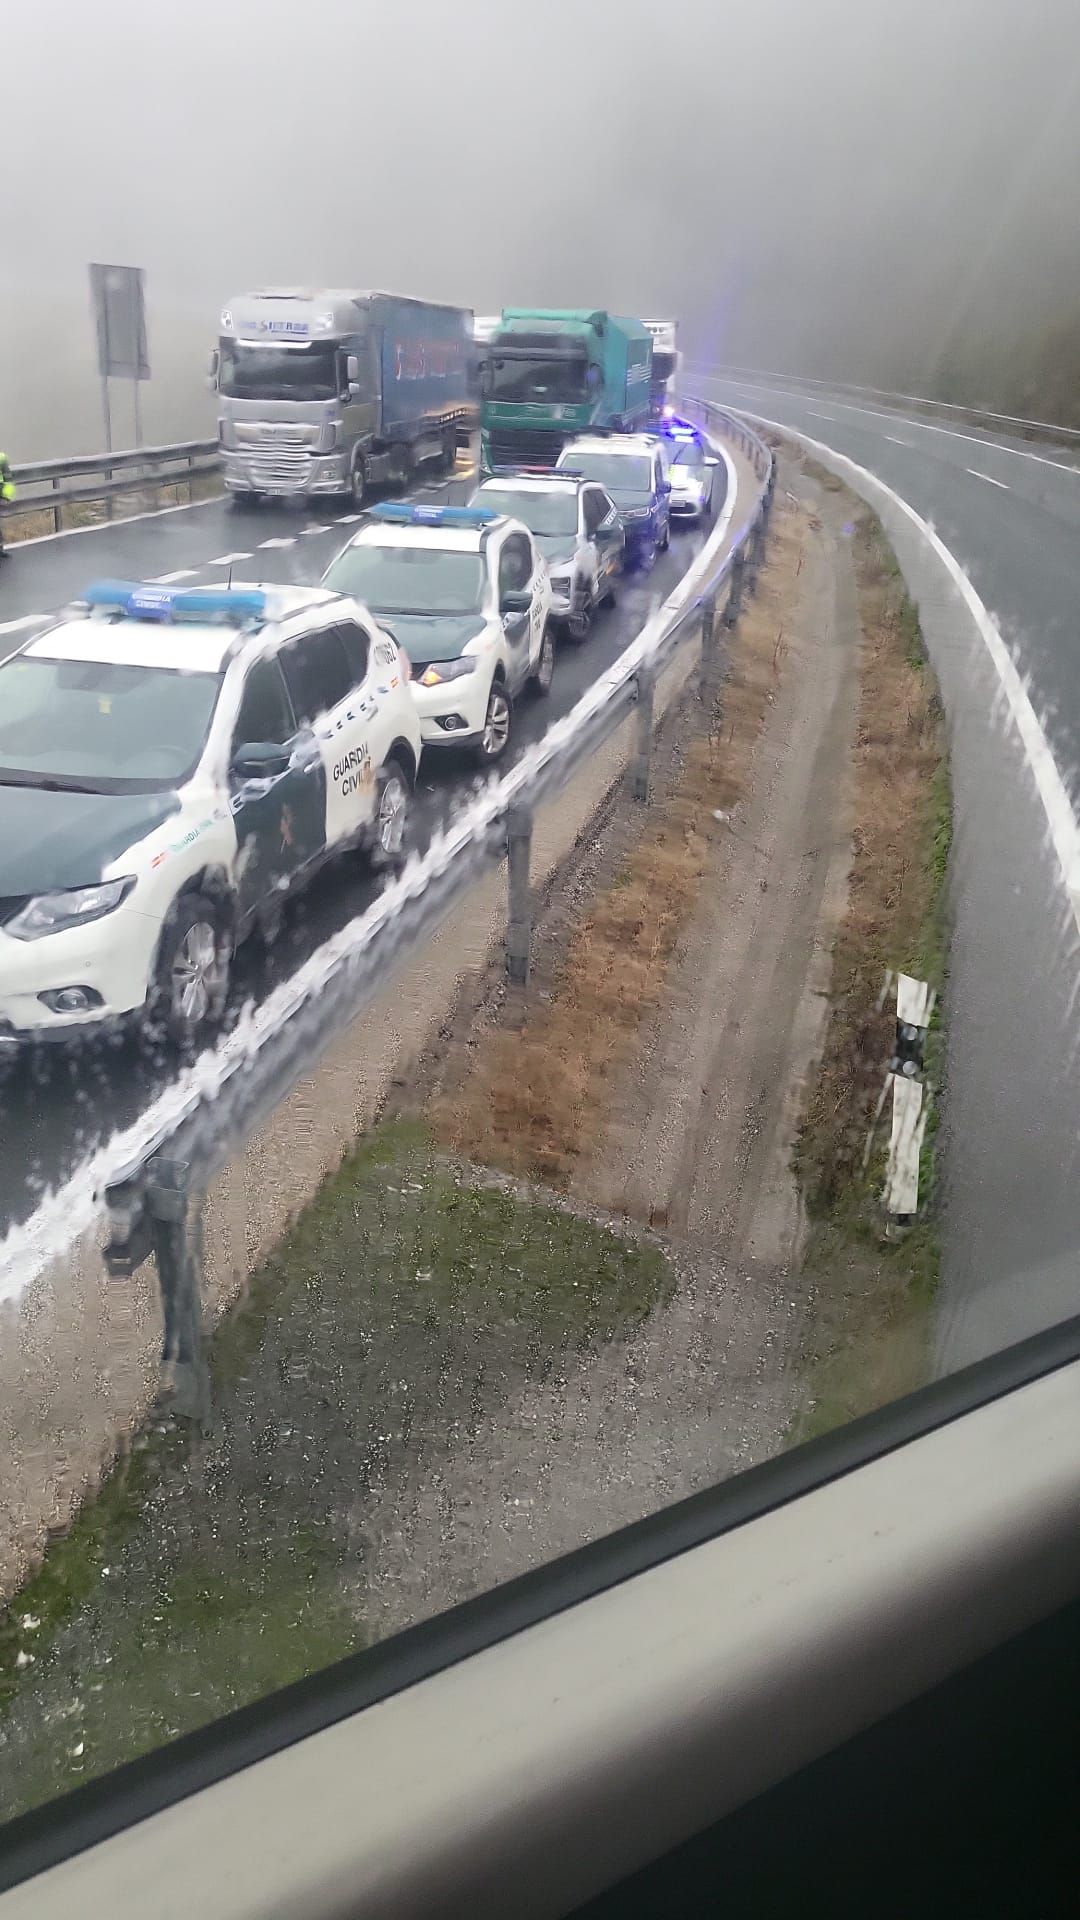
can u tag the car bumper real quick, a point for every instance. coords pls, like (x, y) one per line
(111, 957)
(452, 714)
(258, 472)
(687, 506)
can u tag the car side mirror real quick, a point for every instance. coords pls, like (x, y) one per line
(261, 760)
(212, 370)
(665, 486)
(515, 600)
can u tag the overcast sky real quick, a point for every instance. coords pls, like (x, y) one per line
(826, 185)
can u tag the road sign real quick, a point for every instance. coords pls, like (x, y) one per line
(120, 314)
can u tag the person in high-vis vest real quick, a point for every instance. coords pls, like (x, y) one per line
(7, 492)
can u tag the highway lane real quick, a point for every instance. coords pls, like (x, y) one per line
(1009, 511)
(56, 1103)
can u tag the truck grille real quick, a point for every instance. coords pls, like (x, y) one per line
(282, 462)
(541, 445)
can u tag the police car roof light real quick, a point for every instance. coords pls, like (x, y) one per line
(405, 513)
(139, 600)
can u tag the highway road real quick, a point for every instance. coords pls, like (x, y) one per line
(56, 1103)
(1009, 511)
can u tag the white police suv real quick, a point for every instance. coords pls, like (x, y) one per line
(467, 594)
(577, 528)
(172, 763)
(691, 470)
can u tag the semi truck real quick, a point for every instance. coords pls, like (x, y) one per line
(329, 391)
(666, 360)
(549, 374)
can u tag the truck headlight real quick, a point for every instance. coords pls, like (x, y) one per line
(440, 670)
(74, 907)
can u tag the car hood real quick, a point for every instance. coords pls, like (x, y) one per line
(558, 549)
(432, 636)
(686, 480)
(51, 840)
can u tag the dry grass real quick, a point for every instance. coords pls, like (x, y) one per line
(534, 1101)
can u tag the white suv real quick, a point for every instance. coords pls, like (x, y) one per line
(467, 594)
(172, 764)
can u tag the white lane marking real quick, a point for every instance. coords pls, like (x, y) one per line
(977, 474)
(289, 542)
(1060, 819)
(925, 426)
(348, 519)
(818, 415)
(107, 526)
(896, 442)
(227, 559)
(314, 529)
(27, 620)
(166, 579)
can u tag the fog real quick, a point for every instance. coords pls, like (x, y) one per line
(854, 187)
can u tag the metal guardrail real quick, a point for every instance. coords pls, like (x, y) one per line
(159, 1171)
(136, 470)
(954, 408)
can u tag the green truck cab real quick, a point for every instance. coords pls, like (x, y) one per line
(549, 374)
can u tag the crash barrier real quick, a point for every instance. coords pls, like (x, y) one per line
(154, 1181)
(54, 486)
(948, 409)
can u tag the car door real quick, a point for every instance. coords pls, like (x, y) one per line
(322, 684)
(515, 573)
(603, 529)
(662, 492)
(280, 813)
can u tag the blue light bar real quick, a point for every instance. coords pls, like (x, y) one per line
(407, 513)
(141, 600)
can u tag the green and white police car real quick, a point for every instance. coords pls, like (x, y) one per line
(172, 765)
(466, 592)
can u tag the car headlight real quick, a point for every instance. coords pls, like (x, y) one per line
(563, 576)
(74, 907)
(440, 670)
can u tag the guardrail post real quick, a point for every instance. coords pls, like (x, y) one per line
(735, 596)
(57, 512)
(519, 826)
(646, 687)
(753, 556)
(108, 496)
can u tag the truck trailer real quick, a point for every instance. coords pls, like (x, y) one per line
(549, 374)
(329, 391)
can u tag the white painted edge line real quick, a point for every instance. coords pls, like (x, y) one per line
(182, 573)
(977, 474)
(107, 526)
(909, 420)
(71, 1209)
(227, 559)
(896, 441)
(1060, 819)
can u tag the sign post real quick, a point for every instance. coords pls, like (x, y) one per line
(120, 317)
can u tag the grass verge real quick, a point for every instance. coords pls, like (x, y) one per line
(217, 1565)
(534, 1103)
(868, 1342)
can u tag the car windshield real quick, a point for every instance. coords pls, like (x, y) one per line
(558, 378)
(277, 373)
(625, 472)
(543, 513)
(684, 453)
(404, 579)
(97, 724)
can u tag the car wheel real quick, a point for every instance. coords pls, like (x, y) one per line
(665, 540)
(449, 452)
(393, 803)
(543, 673)
(497, 724)
(358, 485)
(191, 978)
(579, 625)
(245, 502)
